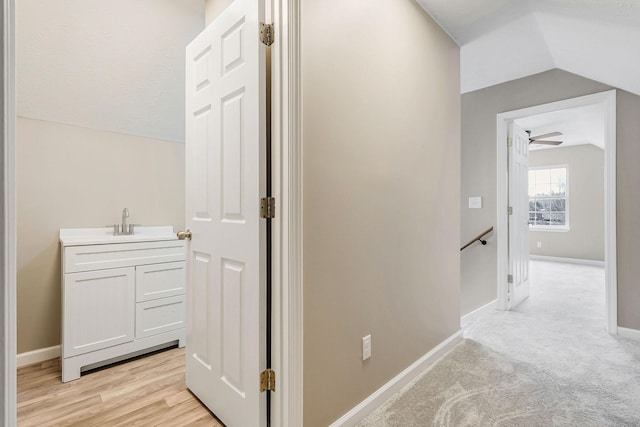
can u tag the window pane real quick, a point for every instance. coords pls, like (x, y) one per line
(558, 218)
(532, 205)
(557, 205)
(539, 205)
(558, 180)
(543, 212)
(543, 189)
(537, 218)
(544, 205)
(558, 189)
(543, 176)
(558, 175)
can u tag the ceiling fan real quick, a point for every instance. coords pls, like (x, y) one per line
(539, 139)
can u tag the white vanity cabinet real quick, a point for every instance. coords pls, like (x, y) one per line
(121, 295)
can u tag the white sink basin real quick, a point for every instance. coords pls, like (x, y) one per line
(97, 236)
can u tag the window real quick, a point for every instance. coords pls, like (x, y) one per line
(548, 198)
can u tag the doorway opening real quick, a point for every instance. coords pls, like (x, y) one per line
(287, 227)
(604, 104)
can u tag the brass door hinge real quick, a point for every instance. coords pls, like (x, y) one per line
(266, 34)
(268, 207)
(509, 278)
(509, 142)
(510, 210)
(267, 380)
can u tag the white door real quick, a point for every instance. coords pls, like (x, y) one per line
(225, 177)
(519, 217)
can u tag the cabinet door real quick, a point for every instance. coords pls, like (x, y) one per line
(99, 310)
(160, 280)
(159, 316)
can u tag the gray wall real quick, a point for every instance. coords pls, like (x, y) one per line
(381, 155)
(628, 198)
(479, 109)
(585, 238)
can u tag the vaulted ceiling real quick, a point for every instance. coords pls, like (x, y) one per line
(503, 40)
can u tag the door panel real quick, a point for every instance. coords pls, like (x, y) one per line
(199, 336)
(225, 177)
(232, 340)
(519, 219)
(231, 163)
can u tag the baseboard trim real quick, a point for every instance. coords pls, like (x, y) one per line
(381, 395)
(479, 312)
(569, 260)
(633, 334)
(37, 356)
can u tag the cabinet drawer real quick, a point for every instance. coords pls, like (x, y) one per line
(160, 315)
(98, 310)
(160, 280)
(100, 257)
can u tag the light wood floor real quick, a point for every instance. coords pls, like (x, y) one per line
(149, 391)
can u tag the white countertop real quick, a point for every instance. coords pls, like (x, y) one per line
(98, 236)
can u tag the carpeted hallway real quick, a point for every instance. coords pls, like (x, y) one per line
(548, 363)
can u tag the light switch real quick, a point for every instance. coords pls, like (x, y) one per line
(475, 202)
(366, 347)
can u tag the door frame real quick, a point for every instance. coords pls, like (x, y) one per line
(287, 245)
(287, 299)
(608, 100)
(8, 412)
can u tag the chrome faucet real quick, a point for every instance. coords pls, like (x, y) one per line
(125, 215)
(124, 228)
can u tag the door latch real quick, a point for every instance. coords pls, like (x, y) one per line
(184, 235)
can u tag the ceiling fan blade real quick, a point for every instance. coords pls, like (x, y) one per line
(545, 142)
(546, 135)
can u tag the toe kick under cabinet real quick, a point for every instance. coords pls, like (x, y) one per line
(120, 300)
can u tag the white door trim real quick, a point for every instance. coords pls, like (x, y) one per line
(608, 100)
(9, 309)
(287, 226)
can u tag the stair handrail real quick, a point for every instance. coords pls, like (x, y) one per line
(478, 237)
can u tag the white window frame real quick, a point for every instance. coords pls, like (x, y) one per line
(555, 228)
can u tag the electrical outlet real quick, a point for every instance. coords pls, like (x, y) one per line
(539, 244)
(366, 347)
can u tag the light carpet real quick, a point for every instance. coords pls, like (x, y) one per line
(550, 362)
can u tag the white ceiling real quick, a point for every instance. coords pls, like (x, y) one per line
(503, 40)
(114, 65)
(580, 125)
